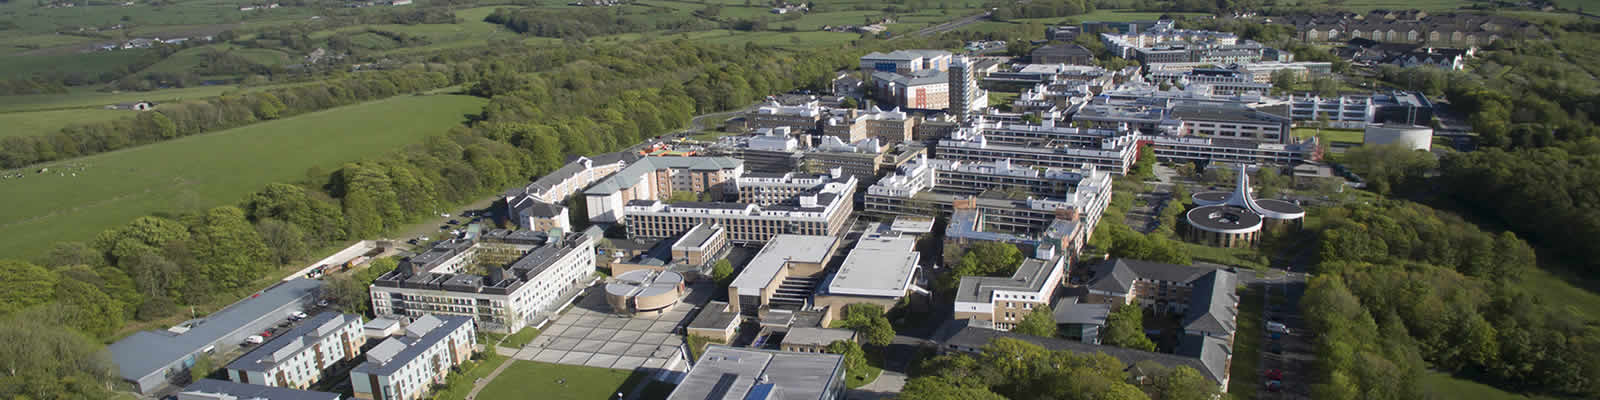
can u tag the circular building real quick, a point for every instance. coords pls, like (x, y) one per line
(1237, 219)
(644, 291)
(1411, 136)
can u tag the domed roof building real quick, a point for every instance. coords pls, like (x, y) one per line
(1238, 219)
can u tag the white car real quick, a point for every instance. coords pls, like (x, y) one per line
(254, 339)
(297, 315)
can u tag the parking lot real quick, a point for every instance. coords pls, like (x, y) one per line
(590, 334)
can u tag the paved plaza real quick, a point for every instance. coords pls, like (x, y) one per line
(590, 334)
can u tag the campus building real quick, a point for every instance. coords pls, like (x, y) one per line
(966, 97)
(539, 205)
(692, 251)
(505, 280)
(802, 117)
(1210, 357)
(1239, 219)
(906, 61)
(657, 178)
(818, 205)
(214, 389)
(1045, 145)
(880, 270)
(783, 274)
(644, 292)
(406, 367)
(296, 359)
(1001, 302)
(735, 373)
(910, 79)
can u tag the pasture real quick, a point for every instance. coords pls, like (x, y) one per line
(88, 64)
(203, 171)
(83, 97)
(45, 122)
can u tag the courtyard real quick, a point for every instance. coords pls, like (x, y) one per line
(590, 334)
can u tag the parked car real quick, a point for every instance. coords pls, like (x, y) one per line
(454, 222)
(1274, 385)
(297, 315)
(1274, 374)
(1277, 327)
(254, 339)
(322, 303)
(266, 333)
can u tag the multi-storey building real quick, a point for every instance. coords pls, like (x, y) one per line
(1168, 45)
(737, 373)
(1458, 29)
(966, 97)
(1002, 302)
(783, 258)
(767, 189)
(656, 178)
(1044, 145)
(1222, 81)
(851, 126)
(407, 367)
(296, 359)
(906, 61)
(538, 206)
(503, 279)
(920, 90)
(820, 210)
(801, 117)
(862, 159)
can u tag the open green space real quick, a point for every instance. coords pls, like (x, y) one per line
(1439, 385)
(34, 17)
(1112, 15)
(87, 64)
(1560, 287)
(1246, 348)
(208, 170)
(528, 379)
(1248, 258)
(460, 381)
(15, 43)
(46, 122)
(521, 338)
(87, 97)
(1330, 135)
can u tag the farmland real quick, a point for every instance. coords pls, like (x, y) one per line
(44, 122)
(208, 170)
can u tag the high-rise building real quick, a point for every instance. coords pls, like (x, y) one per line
(966, 98)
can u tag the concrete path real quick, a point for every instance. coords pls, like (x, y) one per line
(478, 385)
(886, 386)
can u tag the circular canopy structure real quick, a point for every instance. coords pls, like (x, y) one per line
(1224, 219)
(644, 290)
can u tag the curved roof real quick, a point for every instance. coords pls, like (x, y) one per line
(1279, 209)
(1210, 198)
(644, 283)
(1224, 219)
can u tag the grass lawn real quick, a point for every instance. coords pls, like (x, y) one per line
(858, 379)
(1561, 287)
(1002, 99)
(1248, 258)
(528, 379)
(1246, 347)
(88, 97)
(90, 64)
(45, 122)
(203, 171)
(1439, 385)
(460, 383)
(1331, 135)
(521, 338)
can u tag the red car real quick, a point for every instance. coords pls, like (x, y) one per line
(1273, 374)
(266, 333)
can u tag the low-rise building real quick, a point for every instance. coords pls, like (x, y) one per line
(1209, 356)
(1062, 54)
(1002, 303)
(656, 178)
(505, 280)
(801, 117)
(407, 367)
(297, 358)
(734, 373)
(794, 260)
(814, 340)
(213, 389)
(538, 206)
(822, 209)
(879, 270)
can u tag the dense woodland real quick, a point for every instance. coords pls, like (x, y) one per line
(1013, 369)
(546, 104)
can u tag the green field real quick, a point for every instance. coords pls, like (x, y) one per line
(1112, 16)
(208, 170)
(1331, 135)
(528, 379)
(30, 17)
(1441, 386)
(14, 44)
(45, 122)
(461, 380)
(89, 64)
(83, 97)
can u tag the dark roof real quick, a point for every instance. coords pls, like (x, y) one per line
(1062, 50)
(253, 392)
(1213, 304)
(1279, 206)
(1226, 217)
(147, 352)
(540, 209)
(1219, 112)
(959, 333)
(1212, 353)
(714, 315)
(1118, 274)
(308, 333)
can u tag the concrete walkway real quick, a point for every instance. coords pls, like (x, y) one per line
(478, 385)
(885, 387)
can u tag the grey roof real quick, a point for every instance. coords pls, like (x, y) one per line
(698, 235)
(287, 344)
(817, 336)
(961, 334)
(630, 175)
(380, 324)
(1117, 275)
(1062, 50)
(1213, 304)
(401, 350)
(1188, 110)
(147, 352)
(726, 373)
(904, 55)
(245, 391)
(714, 315)
(880, 266)
(1069, 311)
(1030, 277)
(540, 209)
(776, 254)
(924, 77)
(1211, 352)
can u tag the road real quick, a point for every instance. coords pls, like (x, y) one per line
(948, 26)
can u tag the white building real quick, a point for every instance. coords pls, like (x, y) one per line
(404, 368)
(656, 178)
(538, 206)
(296, 359)
(504, 279)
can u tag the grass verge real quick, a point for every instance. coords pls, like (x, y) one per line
(1246, 347)
(521, 338)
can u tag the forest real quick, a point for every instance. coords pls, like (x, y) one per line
(545, 104)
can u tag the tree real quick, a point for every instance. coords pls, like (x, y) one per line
(347, 293)
(285, 241)
(869, 323)
(25, 285)
(722, 271)
(85, 307)
(1284, 81)
(73, 253)
(854, 358)
(227, 247)
(1125, 328)
(1184, 383)
(935, 388)
(203, 364)
(1040, 322)
(1144, 167)
(1390, 166)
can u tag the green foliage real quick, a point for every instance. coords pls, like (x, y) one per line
(1546, 195)
(48, 360)
(521, 338)
(1125, 328)
(1040, 322)
(1009, 368)
(1388, 167)
(203, 365)
(1042, 9)
(27, 285)
(1144, 167)
(855, 359)
(984, 259)
(869, 323)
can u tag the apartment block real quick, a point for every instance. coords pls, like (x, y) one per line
(296, 359)
(504, 280)
(539, 205)
(656, 178)
(1003, 302)
(801, 117)
(406, 367)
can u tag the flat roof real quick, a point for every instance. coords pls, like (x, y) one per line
(880, 267)
(1223, 218)
(782, 249)
(285, 345)
(909, 224)
(727, 373)
(1030, 277)
(147, 352)
(817, 336)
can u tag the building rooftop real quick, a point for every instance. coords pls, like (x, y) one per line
(631, 175)
(1213, 304)
(905, 55)
(960, 333)
(1069, 311)
(727, 373)
(714, 315)
(393, 353)
(776, 254)
(644, 283)
(285, 345)
(881, 267)
(817, 336)
(228, 390)
(1030, 277)
(145, 352)
(697, 236)
(1118, 274)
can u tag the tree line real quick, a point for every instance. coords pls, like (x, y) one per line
(587, 22)
(170, 121)
(1006, 10)
(546, 104)
(1012, 369)
(1402, 287)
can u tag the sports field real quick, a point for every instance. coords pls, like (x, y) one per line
(528, 379)
(202, 171)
